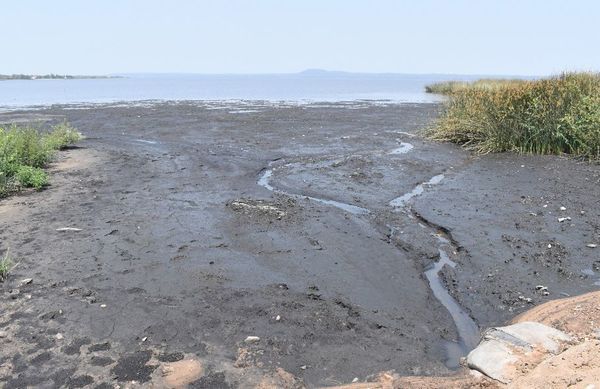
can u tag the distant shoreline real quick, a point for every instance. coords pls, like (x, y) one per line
(7, 77)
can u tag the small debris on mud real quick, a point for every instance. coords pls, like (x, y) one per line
(252, 339)
(258, 207)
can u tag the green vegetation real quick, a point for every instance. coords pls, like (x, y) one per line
(25, 151)
(5, 265)
(557, 115)
(451, 87)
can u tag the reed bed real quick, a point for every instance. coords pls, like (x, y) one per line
(557, 115)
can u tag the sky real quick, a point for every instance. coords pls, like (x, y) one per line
(524, 37)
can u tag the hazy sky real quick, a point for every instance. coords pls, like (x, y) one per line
(270, 36)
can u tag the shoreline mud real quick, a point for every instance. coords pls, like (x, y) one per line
(190, 244)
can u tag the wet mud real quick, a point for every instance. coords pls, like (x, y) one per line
(334, 233)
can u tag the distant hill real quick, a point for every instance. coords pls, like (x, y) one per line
(322, 72)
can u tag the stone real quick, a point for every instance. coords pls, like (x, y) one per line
(496, 356)
(491, 358)
(537, 334)
(252, 339)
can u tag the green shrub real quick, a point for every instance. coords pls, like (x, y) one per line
(62, 135)
(24, 151)
(32, 177)
(548, 116)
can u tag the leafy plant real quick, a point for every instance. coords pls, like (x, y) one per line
(32, 177)
(25, 151)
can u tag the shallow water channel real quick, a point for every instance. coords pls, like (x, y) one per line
(468, 331)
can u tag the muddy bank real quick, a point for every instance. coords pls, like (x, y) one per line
(182, 252)
(529, 226)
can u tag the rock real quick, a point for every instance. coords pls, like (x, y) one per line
(591, 245)
(25, 281)
(59, 336)
(497, 355)
(14, 293)
(65, 229)
(562, 219)
(3, 334)
(252, 339)
(537, 334)
(491, 358)
(563, 208)
(277, 318)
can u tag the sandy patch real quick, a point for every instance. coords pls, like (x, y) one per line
(579, 316)
(577, 367)
(181, 373)
(74, 159)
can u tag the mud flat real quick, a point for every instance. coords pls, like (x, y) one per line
(293, 243)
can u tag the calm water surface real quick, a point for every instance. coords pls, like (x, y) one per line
(289, 87)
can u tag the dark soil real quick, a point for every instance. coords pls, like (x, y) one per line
(181, 252)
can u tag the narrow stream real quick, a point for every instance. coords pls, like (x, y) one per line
(468, 331)
(265, 182)
(419, 189)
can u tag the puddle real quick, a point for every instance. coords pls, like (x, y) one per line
(151, 142)
(265, 180)
(356, 210)
(419, 189)
(592, 273)
(245, 111)
(468, 331)
(405, 133)
(403, 149)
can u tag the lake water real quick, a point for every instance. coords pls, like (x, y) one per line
(307, 86)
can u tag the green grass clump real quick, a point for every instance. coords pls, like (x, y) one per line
(5, 265)
(556, 115)
(25, 151)
(451, 87)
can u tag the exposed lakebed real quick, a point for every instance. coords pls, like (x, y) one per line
(333, 260)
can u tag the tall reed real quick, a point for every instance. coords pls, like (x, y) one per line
(556, 115)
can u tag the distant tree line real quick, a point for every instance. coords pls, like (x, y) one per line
(46, 77)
